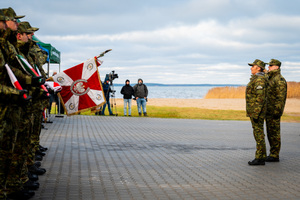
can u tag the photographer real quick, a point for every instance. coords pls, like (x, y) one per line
(127, 92)
(107, 90)
(141, 93)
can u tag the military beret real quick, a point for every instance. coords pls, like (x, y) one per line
(11, 14)
(259, 63)
(275, 62)
(2, 16)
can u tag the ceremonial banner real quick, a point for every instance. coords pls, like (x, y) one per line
(81, 87)
(14, 80)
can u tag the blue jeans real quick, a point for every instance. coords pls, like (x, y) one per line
(141, 102)
(127, 101)
(108, 107)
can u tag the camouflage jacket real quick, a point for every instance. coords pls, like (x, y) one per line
(256, 96)
(38, 57)
(10, 51)
(276, 93)
(6, 89)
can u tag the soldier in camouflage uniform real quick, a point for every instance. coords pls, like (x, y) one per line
(39, 58)
(256, 108)
(12, 106)
(14, 186)
(276, 93)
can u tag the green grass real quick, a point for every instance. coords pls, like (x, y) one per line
(196, 113)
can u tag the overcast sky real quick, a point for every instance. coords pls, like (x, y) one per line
(170, 41)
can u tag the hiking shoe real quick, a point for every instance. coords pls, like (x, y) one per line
(272, 159)
(257, 162)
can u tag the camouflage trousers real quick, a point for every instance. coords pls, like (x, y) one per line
(273, 133)
(9, 116)
(15, 180)
(35, 135)
(259, 136)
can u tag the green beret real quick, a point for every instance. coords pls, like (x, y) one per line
(259, 63)
(275, 62)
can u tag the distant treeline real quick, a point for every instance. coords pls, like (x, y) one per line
(230, 92)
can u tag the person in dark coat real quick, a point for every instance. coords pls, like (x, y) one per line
(127, 91)
(107, 91)
(141, 93)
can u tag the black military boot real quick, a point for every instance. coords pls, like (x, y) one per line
(32, 176)
(37, 163)
(145, 114)
(43, 148)
(257, 162)
(140, 114)
(272, 159)
(31, 185)
(35, 170)
(21, 195)
(38, 152)
(38, 157)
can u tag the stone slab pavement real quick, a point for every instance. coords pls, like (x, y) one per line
(103, 157)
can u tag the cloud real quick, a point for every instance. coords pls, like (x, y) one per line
(172, 41)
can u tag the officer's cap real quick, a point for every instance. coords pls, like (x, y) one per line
(22, 29)
(259, 63)
(275, 62)
(11, 14)
(2, 16)
(29, 27)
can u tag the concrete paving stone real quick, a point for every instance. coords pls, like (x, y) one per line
(100, 157)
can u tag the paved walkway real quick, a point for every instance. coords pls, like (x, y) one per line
(101, 157)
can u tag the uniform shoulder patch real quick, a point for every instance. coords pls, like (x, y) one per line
(259, 87)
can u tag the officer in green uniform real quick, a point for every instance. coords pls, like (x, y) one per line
(276, 93)
(256, 108)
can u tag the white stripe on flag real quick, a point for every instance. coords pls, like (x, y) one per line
(89, 68)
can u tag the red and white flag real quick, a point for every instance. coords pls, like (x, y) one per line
(53, 86)
(81, 87)
(14, 80)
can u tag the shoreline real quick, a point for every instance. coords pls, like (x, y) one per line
(292, 105)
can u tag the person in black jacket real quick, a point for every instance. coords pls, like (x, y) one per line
(127, 92)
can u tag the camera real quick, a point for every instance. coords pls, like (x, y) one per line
(112, 76)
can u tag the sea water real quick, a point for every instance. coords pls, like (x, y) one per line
(177, 92)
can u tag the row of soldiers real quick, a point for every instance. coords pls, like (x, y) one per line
(20, 115)
(265, 100)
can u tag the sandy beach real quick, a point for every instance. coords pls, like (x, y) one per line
(292, 105)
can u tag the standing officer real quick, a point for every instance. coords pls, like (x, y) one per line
(256, 108)
(276, 92)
